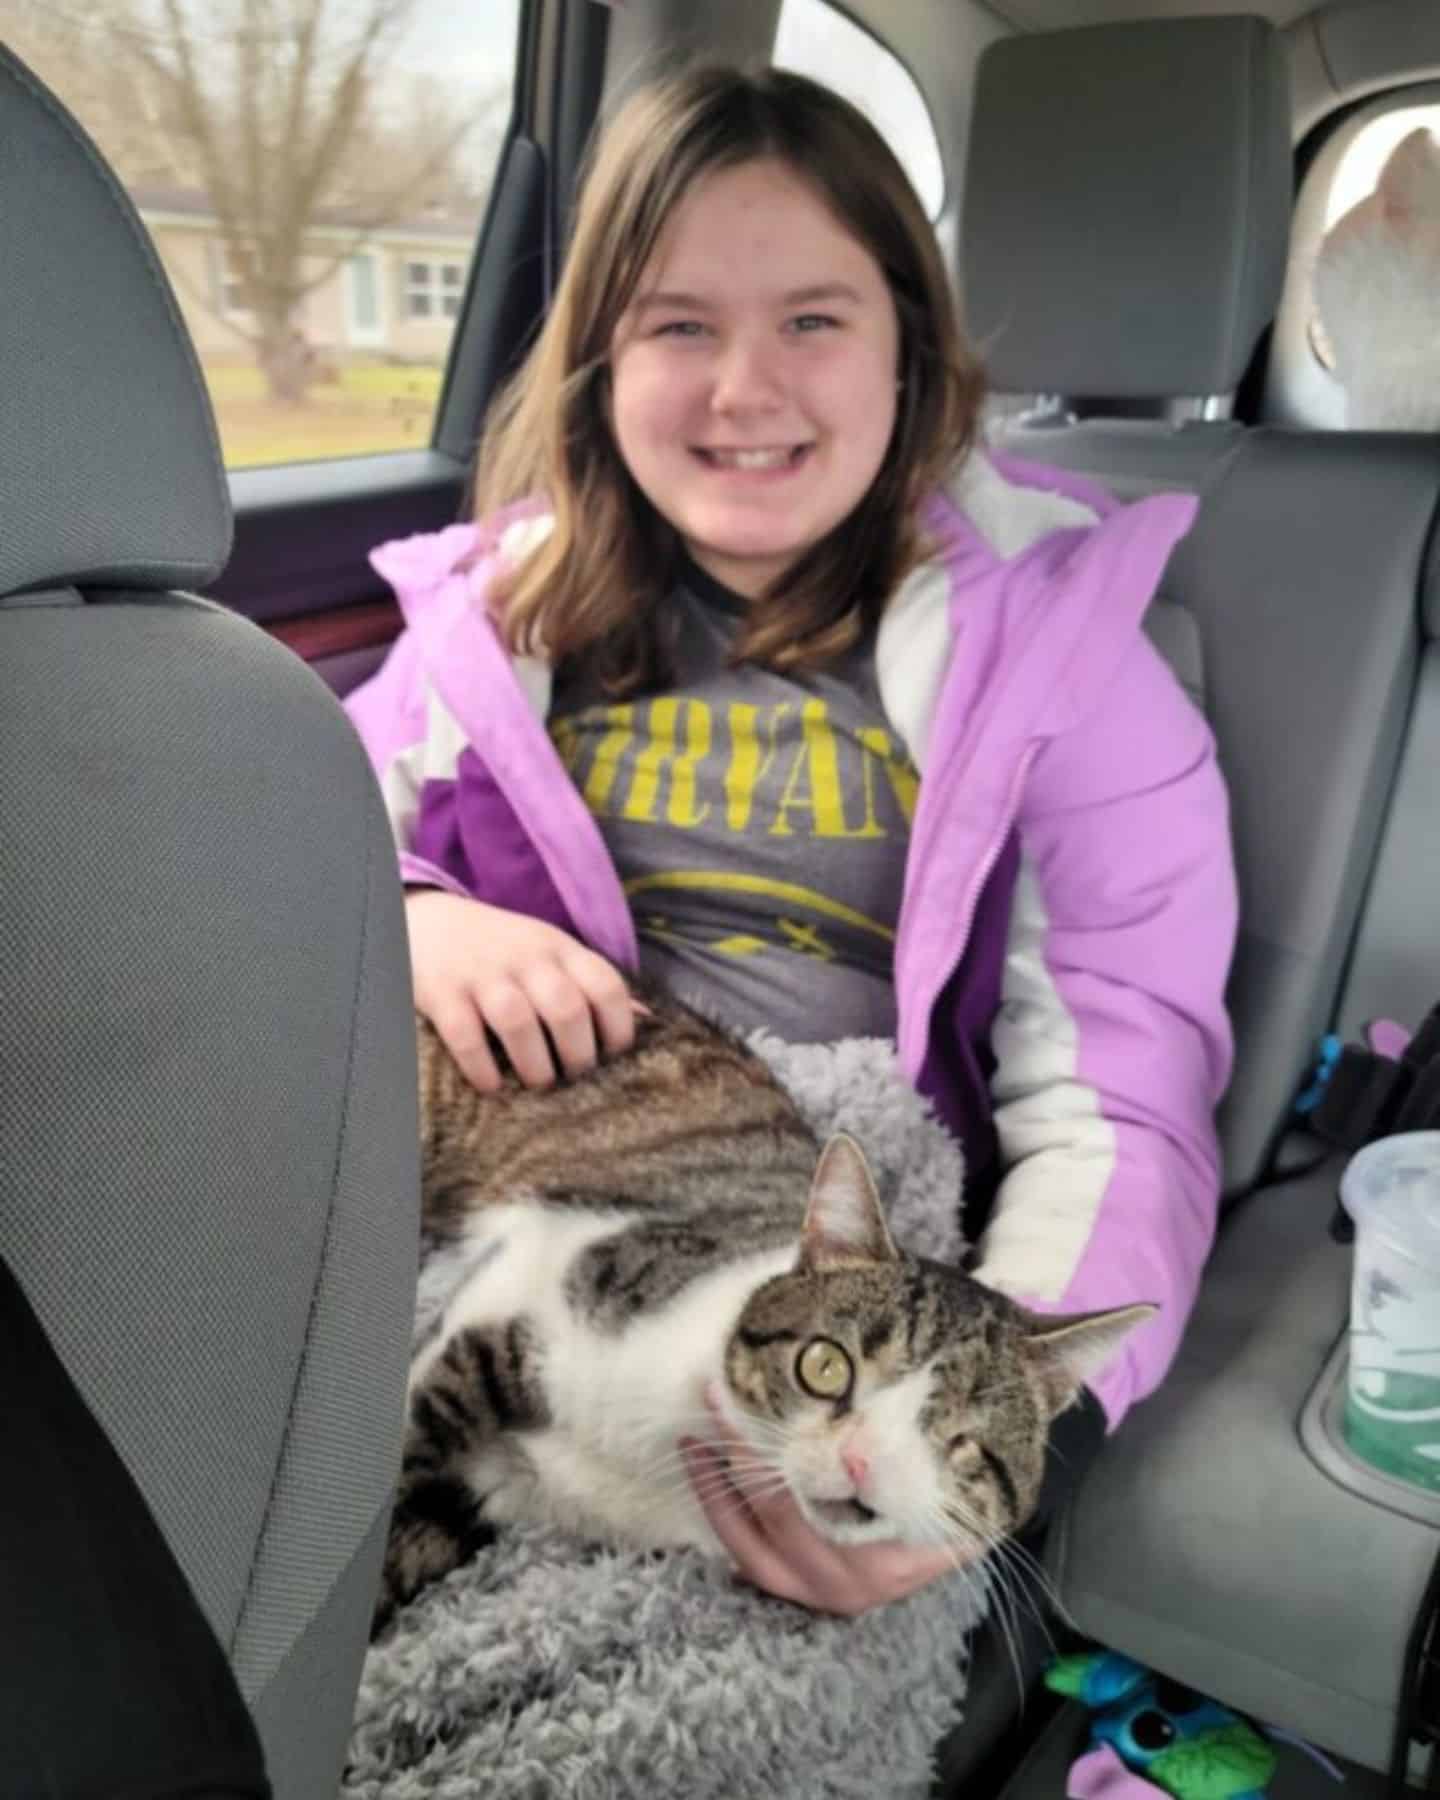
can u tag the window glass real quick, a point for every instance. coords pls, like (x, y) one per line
(816, 39)
(313, 176)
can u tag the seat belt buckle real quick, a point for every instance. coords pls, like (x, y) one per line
(1359, 1092)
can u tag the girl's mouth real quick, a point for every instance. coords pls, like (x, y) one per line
(769, 459)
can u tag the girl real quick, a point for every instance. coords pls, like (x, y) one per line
(756, 673)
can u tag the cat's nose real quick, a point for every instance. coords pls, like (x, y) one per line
(857, 1464)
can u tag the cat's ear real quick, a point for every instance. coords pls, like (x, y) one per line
(1067, 1349)
(844, 1222)
(1409, 183)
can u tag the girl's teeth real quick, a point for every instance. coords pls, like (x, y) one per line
(751, 459)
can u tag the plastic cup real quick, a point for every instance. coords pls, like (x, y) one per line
(1391, 1189)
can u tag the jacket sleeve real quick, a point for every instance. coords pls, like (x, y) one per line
(1112, 1043)
(415, 746)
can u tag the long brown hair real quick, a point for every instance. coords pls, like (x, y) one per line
(599, 581)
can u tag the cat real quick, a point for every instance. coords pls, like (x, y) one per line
(665, 1221)
(1377, 293)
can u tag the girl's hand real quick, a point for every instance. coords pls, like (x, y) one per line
(476, 967)
(775, 1546)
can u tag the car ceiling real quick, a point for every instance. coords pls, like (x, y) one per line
(1054, 15)
(1340, 50)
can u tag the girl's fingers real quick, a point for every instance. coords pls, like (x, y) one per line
(607, 997)
(565, 1012)
(508, 1011)
(462, 1031)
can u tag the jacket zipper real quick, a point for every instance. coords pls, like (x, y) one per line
(984, 868)
(986, 865)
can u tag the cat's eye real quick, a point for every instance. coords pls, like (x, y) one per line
(824, 1370)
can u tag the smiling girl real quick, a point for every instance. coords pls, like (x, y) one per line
(755, 673)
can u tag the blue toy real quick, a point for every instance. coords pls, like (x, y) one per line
(1188, 1746)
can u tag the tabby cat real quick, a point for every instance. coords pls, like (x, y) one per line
(616, 1243)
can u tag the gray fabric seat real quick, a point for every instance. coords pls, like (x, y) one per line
(208, 1166)
(1206, 1541)
(1156, 277)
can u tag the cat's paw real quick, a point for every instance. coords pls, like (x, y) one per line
(437, 1525)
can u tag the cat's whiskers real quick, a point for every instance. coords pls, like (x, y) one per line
(1003, 1572)
(667, 1462)
(1028, 1564)
(744, 1458)
(744, 1477)
(987, 1577)
(979, 1582)
(662, 1501)
(730, 1486)
(1022, 1566)
(722, 1494)
(991, 1586)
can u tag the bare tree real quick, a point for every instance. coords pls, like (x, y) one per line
(278, 104)
(285, 114)
(65, 46)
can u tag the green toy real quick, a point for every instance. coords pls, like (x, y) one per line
(1186, 1745)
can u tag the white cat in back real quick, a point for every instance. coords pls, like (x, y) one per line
(1377, 291)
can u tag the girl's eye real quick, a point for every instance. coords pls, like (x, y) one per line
(824, 1369)
(805, 323)
(681, 328)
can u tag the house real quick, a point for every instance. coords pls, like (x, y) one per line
(392, 292)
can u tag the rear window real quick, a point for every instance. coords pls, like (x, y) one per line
(816, 39)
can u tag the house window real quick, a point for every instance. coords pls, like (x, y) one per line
(227, 280)
(433, 289)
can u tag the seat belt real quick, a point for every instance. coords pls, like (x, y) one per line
(1388, 1083)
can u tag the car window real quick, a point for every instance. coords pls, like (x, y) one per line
(816, 39)
(313, 178)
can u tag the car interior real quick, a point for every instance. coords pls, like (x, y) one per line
(207, 1116)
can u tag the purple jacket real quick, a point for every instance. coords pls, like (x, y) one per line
(1069, 903)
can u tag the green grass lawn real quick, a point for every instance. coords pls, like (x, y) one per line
(363, 409)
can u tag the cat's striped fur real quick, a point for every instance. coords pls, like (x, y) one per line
(666, 1220)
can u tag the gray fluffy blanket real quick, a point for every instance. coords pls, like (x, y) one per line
(549, 1667)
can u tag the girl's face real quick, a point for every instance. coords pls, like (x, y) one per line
(754, 375)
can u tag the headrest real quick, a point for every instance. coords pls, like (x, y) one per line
(1127, 206)
(110, 471)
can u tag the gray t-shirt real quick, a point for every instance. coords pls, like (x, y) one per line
(759, 823)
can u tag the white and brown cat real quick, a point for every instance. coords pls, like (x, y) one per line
(668, 1222)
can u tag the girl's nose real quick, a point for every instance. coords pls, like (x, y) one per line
(746, 379)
